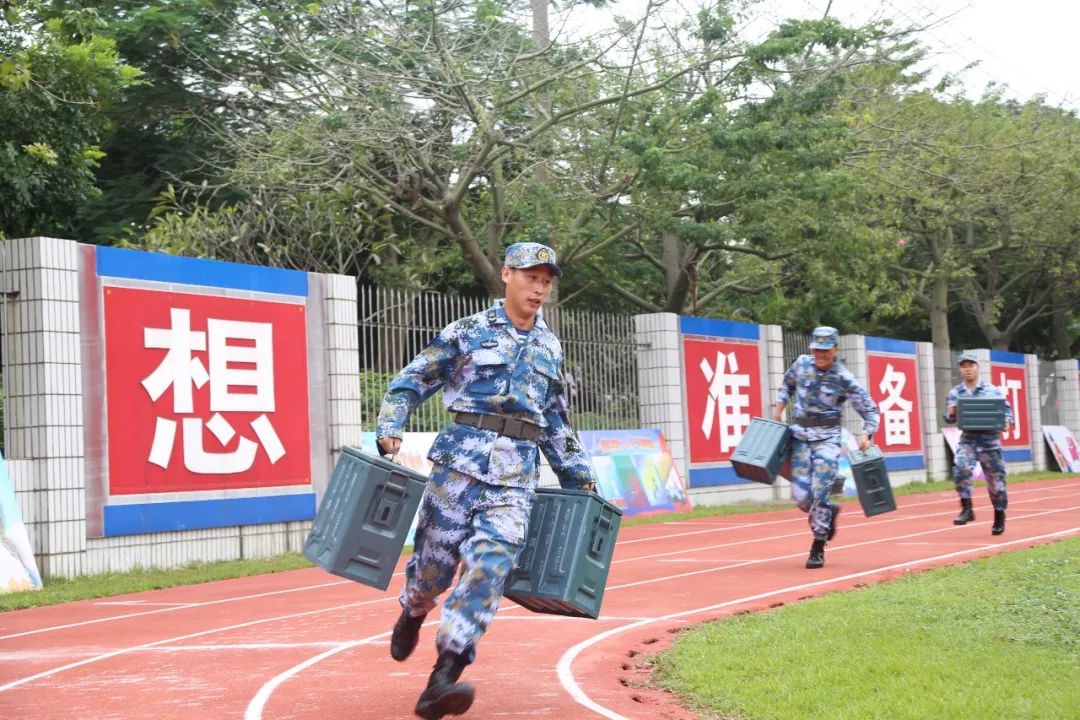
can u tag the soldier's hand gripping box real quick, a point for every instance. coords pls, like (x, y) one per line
(762, 451)
(980, 413)
(364, 518)
(872, 482)
(564, 565)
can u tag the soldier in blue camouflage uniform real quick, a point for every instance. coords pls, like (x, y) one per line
(982, 446)
(819, 386)
(501, 375)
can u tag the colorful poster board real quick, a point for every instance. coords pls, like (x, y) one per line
(636, 472)
(1063, 446)
(18, 569)
(952, 439)
(634, 467)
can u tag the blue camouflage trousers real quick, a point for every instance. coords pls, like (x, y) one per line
(478, 526)
(814, 464)
(993, 465)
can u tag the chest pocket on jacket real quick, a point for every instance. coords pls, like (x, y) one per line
(491, 372)
(543, 378)
(830, 394)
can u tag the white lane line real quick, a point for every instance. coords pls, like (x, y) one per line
(258, 702)
(143, 603)
(244, 646)
(801, 518)
(201, 633)
(157, 643)
(802, 533)
(206, 603)
(802, 553)
(239, 598)
(564, 666)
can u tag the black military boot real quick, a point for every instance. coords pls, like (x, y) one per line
(817, 555)
(406, 634)
(444, 695)
(999, 523)
(832, 522)
(966, 513)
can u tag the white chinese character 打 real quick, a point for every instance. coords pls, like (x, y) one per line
(1011, 388)
(895, 410)
(728, 401)
(247, 388)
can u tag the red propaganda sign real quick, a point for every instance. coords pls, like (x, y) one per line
(204, 392)
(894, 387)
(723, 392)
(1010, 379)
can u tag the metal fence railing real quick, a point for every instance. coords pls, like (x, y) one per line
(1049, 400)
(599, 348)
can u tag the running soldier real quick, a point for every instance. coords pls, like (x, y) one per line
(982, 446)
(820, 385)
(501, 375)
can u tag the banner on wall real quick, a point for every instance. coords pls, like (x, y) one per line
(634, 467)
(894, 387)
(635, 471)
(1064, 447)
(201, 368)
(18, 569)
(723, 366)
(1008, 373)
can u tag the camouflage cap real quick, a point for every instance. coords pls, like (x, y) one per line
(824, 338)
(530, 254)
(967, 357)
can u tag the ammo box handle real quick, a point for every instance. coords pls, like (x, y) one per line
(391, 497)
(597, 542)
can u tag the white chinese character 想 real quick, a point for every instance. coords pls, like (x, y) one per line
(241, 377)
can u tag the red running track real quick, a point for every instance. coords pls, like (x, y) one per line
(306, 644)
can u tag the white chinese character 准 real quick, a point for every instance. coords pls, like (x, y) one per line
(1011, 388)
(728, 401)
(229, 344)
(895, 410)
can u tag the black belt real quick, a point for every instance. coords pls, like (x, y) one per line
(509, 426)
(807, 421)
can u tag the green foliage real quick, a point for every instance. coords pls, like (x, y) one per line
(56, 88)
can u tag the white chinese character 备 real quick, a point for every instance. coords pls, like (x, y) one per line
(728, 403)
(240, 377)
(895, 409)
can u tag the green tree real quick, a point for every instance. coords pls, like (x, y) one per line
(55, 94)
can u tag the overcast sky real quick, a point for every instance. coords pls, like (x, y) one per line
(1027, 46)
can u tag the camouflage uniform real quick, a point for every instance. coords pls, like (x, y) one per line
(476, 505)
(982, 446)
(815, 451)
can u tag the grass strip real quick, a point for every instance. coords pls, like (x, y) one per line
(992, 638)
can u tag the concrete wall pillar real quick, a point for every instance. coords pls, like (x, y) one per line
(43, 413)
(660, 382)
(930, 397)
